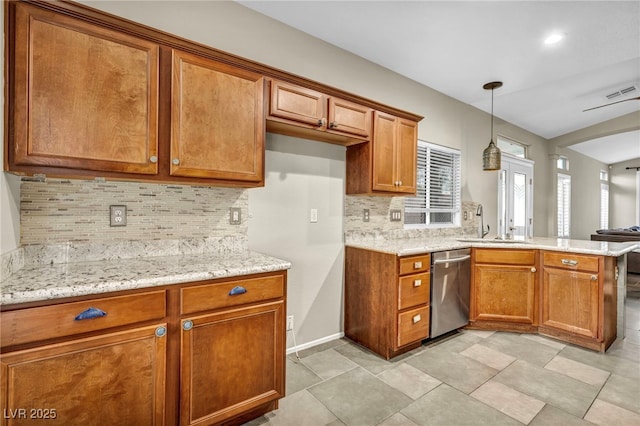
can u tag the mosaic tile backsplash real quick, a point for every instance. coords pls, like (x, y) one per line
(61, 211)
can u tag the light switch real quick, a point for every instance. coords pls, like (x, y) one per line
(313, 216)
(235, 216)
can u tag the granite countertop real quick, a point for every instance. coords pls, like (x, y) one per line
(405, 247)
(56, 281)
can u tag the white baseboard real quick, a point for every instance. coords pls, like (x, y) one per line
(315, 342)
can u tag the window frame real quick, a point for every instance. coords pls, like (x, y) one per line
(456, 179)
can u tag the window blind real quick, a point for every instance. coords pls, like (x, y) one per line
(604, 205)
(438, 184)
(564, 205)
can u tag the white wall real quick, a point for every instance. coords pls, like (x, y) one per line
(9, 188)
(623, 201)
(301, 175)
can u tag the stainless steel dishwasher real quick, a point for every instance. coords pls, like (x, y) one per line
(450, 284)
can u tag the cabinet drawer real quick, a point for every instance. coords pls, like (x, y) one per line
(49, 322)
(413, 264)
(413, 325)
(571, 261)
(220, 295)
(505, 257)
(413, 290)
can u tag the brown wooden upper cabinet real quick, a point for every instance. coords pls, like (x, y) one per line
(388, 163)
(299, 111)
(84, 96)
(217, 120)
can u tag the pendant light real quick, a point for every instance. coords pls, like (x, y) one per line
(491, 155)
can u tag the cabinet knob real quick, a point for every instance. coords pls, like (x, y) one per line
(321, 122)
(416, 318)
(153, 159)
(594, 278)
(161, 331)
(187, 325)
(417, 283)
(417, 265)
(533, 269)
(333, 124)
(175, 161)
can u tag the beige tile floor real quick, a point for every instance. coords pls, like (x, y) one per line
(471, 378)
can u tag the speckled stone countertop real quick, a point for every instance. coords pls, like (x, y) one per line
(38, 283)
(407, 247)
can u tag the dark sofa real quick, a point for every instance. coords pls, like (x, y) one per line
(621, 236)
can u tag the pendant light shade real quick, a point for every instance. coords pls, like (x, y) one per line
(491, 155)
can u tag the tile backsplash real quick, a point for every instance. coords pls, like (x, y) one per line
(379, 227)
(61, 211)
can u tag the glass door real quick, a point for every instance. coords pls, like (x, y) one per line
(515, 197)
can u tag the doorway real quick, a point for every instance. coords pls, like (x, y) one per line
(515, 197)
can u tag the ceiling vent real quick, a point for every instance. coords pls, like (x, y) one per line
(621, 92)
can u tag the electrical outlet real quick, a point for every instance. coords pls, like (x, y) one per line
(395, 215)
(117, 215)
(289, 322)
(365, 215)
(235, 216)
(465, 215)
(313, 216)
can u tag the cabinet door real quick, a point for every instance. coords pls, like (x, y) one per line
(217, 120)
(570, 301)
(297, 104)
(84, 97)
(231, 362)
(349, 118)
(384, 157)
(406, 156)
(504, 293)
(114, 379)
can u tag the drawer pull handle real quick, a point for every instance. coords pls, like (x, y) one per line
(90, 314)
(417, 283)
(416, 318)
(237, 290)
(187, 325)
(161, 331)
(569, 262)
(417, 265)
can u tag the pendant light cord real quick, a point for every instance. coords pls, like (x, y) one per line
(491, 137)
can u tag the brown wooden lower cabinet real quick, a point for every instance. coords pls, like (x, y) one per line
(579, 299)
(156, 357)
(231, 362)
(387, 300)
(116, 378)
(504, 289)
(573, 299)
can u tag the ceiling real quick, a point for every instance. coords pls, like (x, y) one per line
(456, 47)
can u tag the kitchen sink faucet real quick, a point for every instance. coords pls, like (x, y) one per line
(481, 231)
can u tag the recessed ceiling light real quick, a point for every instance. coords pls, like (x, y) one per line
(554, 38)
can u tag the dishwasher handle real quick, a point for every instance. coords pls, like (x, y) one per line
(452, 260)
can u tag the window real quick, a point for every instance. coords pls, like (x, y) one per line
(604, 199)
(563, 163)
(512, 147)
(564, 205)
(437, 200)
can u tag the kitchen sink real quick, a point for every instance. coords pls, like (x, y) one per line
(493, 241)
